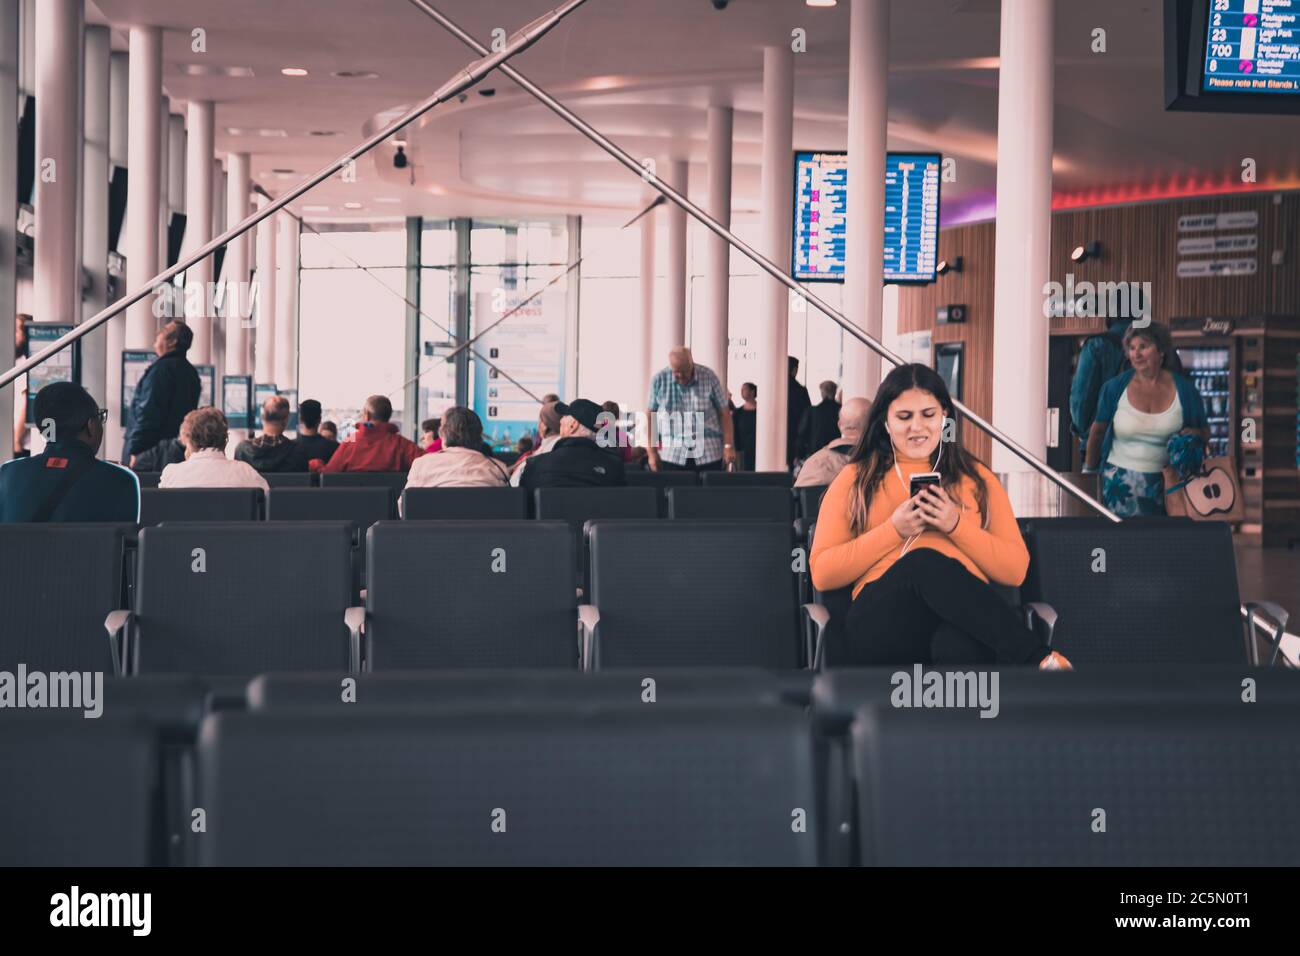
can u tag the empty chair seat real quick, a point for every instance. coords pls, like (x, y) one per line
(289, 479)
(149, 479)
(58, 583)
(360, 506)
(641, 786)
(200, 504)
(692, 594)
(451, 594)
(226, 599)
(725, 504)
(580, 505)
(1157, 591)
(810, 500)
(395, 480)
(732, 479)
(516, 688)
(78, 792)
(1187, 785)
(452, 503)
(662, 481)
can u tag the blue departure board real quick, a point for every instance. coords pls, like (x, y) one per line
(1252, 46)
(911, 236)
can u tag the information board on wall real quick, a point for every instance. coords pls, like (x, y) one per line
(527, 347)
(60, 367)
(237, 400)
(1252, 46)
(911, 237)
(135, 362)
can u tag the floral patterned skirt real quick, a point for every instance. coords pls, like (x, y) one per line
(1132, 494)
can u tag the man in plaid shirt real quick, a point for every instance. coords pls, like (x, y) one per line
(689, 420)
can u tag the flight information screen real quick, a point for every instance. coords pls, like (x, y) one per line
(1252, 46)
(911, 236)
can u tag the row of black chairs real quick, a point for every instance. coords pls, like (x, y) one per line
(244, 597)
(397, 479)
(1139, 766)
(366, 504)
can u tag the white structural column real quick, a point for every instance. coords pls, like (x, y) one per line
(198, 225)
(709, 337)
(10, 31)
(174, 171)
(865, 235)
(115, 328)
(645, 361)
(674, 331)
(776, 200)
(56, 274)
(144, 154)
(1024, 225)
(164, 166)
(94, 209)
(286, 303)
(235, 269)
(219, 185)
(264, 331)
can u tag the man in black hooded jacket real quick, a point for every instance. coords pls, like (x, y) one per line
(271, 450)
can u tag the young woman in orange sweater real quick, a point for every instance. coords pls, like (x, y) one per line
(920, 566)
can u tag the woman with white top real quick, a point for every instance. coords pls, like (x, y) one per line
(1138, 411)
(204, 434)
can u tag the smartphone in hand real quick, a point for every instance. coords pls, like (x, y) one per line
(920, 480)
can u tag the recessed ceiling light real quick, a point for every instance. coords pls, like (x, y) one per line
(352, 205)
(255, 131)
(387, 199)
(820, 3)
(315, 208)
(355, 74)
(204, 69)
(293, 71)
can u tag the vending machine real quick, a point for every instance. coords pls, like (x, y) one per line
(1213, 369)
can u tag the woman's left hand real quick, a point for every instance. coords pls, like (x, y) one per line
(939, 510)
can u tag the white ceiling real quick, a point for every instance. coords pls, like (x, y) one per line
(644, 72)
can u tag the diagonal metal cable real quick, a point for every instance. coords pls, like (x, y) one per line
(462, 80)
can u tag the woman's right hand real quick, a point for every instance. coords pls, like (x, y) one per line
(908, 519)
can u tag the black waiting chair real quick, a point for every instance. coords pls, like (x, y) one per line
(580, 505)
(662, 481)
(700, 593)
(1103, 783)
(80, 792)
(729, 504)
(470, 594)
(423, 504)
(394, 480)
(290, 479)
(810, 500)
(226, 599)
(739, 479)
(650, 785)
(360, 506)
(1158, 590)
(148, 479)
(58, 585)
(200, 504)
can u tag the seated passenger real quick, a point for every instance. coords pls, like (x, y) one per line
(429, 439)
(315, 445)
(461, 462)
(66, 482)
(920, 566)
(273, 450)
(166, 452)
(576, 460)
(548, 428)
(329, 430)
(825, 463)
(377, 445)
(205, 435)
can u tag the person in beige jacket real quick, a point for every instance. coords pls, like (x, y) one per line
(461, 463)
(823, 465)
(204, 434)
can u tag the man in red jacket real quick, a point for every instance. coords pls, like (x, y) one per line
(376, 446)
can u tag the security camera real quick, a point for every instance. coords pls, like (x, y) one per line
(399, 158)
(720, 4)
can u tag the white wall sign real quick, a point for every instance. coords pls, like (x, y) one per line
(1206, 268)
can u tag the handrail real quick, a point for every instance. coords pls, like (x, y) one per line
(467, 77)
(758, 258)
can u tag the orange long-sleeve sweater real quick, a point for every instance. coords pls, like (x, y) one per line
(996, 552)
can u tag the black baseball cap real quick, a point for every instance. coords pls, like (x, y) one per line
(586, 413)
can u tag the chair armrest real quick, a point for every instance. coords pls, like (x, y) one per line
(819, 618)
(117, 624)
(1280, 615)
(1043, 612)
(355, 619)
(589, 631)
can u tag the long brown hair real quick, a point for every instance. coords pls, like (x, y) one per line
(874, 453)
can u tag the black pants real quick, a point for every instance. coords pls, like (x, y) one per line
(691, 465)
(927, 608)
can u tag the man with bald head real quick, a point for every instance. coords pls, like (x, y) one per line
(688, 418)
(822, 467)
(377, 444)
